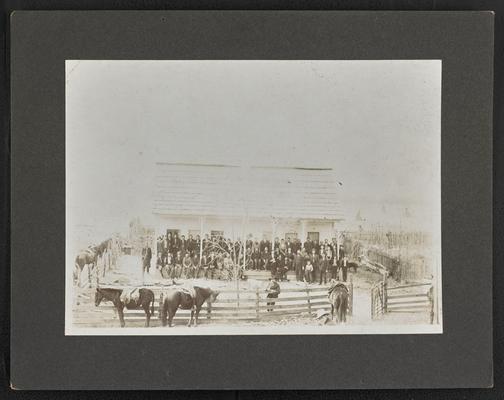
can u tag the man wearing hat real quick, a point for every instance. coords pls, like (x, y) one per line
(298, 265)
(273, 291)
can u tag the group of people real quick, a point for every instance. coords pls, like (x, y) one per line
(217, 257)
(212, 258)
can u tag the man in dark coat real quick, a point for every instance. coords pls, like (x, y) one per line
(344, 268)
(265, 259)
(146, 258)
(287, 265)
(262, 245)
(314, 258)
(323, 266)
(308, 246)
(256, 256)
(273, 291)
(298, 265)
(191, 245)
(273, 264)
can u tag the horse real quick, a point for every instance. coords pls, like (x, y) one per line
(86, 257)
(144, 301)
(338, 297)
(89, 257)
(173, 299)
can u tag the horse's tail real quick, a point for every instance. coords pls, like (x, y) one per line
(161, 308)
(344, 306)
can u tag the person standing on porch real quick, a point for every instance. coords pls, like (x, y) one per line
(324, 261)
(265, 257)
(308, 245)
(159, 252)
(314, 258)
(309, 271)
(298, 266)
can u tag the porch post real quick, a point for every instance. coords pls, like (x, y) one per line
(201, 240)
(337, 245)
(273, 231)
(303, 232)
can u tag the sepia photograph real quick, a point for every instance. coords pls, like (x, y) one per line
(253, 197)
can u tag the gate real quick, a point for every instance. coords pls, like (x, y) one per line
(378, 300)
(402, 299)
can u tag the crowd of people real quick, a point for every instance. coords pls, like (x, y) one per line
(217, 257)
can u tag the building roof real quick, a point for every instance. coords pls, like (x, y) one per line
(225, 190)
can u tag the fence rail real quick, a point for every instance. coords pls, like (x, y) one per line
(382, 302)
(251, 306)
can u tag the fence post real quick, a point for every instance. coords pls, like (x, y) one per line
(309, 302)
(97, 271)
(372, 302)
(384, 293)
(431, 301)
(209, 310)
(350, 293)
(257, 304)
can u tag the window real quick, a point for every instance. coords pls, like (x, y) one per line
(172, 231)
(216, 233)
(313, 236)
(291, 236)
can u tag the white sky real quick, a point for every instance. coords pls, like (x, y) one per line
(377, 123)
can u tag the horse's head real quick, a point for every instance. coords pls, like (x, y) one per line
(98, 297)
(213, 296)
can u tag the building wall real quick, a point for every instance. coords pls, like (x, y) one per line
(234, 228)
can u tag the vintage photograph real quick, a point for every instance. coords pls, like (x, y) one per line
(242, 197)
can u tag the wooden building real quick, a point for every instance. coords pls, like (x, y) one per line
(246, 202)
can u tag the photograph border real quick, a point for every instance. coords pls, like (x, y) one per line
(229, 329)
(460, 357)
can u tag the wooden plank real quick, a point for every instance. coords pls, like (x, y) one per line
(300, 298)
(410, 308)
(403, 296)
(409, 286)
(408, 302)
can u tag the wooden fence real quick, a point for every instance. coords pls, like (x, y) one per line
(378, 300)
(401, 299)
(231, 306)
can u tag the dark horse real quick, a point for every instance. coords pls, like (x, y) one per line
(86, 257)
(89, 257)
(145, 301)
(338, 297)
(174, 299)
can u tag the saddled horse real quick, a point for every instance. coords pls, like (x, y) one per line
(145, 301)
(338, 297)
(173, 299)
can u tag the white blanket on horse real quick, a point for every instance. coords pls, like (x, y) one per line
(189, 290)
(128, 295)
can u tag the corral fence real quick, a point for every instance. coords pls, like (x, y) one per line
(414, 298)
(231, 306)
(402, 269)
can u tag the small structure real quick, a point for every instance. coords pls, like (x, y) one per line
(126, 249)
(239, 202)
